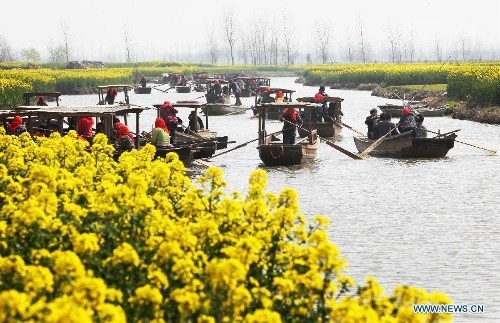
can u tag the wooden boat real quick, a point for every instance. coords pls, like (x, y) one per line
(102, 89)
(326, 129)
(395, 110)
(405, 146)
(142, 90)
(274, 152)
(50, 95)
(183, 88)
(274, 113)
(203, 142)
(332, 126)
(101, 113)
(221, 109)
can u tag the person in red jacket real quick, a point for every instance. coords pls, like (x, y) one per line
(84, 127)
(111, 95)
(41, 101)
(169, 114)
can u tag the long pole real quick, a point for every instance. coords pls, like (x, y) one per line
(427, 83)
(241, 145)
(329, 143)
(465, 142)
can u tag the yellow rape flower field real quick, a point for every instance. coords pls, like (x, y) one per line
(86, 239)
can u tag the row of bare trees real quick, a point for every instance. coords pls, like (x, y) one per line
(273, 40)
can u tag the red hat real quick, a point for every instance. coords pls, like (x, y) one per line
(405, 110)
(166, 104)
(318, 97)
(267, 89)
(279, 94)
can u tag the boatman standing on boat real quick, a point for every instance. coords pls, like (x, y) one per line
(169, 114)
(290, 119)
(235, 89)
(143, 81)
(111, 95)
(41, 101)
(323, 109)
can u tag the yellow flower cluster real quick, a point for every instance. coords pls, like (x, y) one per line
(86, 239)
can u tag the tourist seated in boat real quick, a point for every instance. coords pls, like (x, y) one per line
(143, 81)
(111, 95)
(52, 126)
(72, 123)
(116, 126)
(192, 123)
(16, 127)
(266, 96)
(41, 101)
(161, 135)
(407, 122)
(421, 129)
(291, 120)
(125, 140)
(370, 121)
(84, 127)
(99, 127)
(279, 96)
(384, 126)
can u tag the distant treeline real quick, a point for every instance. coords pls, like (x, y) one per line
(478, 81)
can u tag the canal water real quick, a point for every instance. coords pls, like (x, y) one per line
(431, 223)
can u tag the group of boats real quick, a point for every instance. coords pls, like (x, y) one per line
(189, 144)
(201, 144)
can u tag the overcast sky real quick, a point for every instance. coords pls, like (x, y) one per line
(97, 28)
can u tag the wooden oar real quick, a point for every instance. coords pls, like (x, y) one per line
(467, 143)
(329, 143)
(241, 145)
(166, 91)
(353, 129)
(364, 153)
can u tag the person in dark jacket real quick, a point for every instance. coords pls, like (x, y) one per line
(407, 122)
(169, 114)
(385, 125)
(290, 119)
(192, 122)
(41, 101)
(143, 81)
(235, 89)
(111, 95)
(421, 129)
(370, 121)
